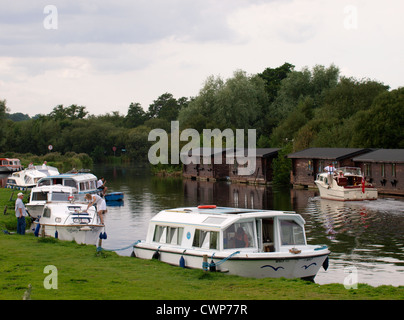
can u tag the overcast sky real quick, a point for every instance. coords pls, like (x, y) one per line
(105, 54)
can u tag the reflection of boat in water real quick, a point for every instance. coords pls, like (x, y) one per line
(65, 217)
(344, 184)
(245, 242)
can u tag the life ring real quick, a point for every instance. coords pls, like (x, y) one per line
(207, 207)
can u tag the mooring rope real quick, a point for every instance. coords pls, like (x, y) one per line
(99, 248)
(207, 265)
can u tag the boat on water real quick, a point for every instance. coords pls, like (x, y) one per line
(83, 182)
(28, 178)
(344, 184)
(10, 165)
(114, 196)
(245, 242)
(66, 217)
(41, 195)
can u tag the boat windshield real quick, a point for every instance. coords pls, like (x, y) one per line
(351, 170)
(239, 235)
(291, 233)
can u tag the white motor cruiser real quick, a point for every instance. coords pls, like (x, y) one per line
(67, 219)
(245, 242)
(344, 184)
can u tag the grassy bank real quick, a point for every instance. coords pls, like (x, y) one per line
(85, 275)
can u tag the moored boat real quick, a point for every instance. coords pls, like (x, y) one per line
(114, 196)
(39, 196)
(245, 242)
(10, 165)
(83, 182)
(345, 184)
(28, 178)
(68, 219)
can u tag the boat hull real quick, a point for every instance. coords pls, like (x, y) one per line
(82, 234)
(256, 265)
(346, 193)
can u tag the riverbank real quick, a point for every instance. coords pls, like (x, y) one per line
(82, 274)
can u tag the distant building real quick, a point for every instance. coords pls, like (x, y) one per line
(306, 164)
(222, 171)
(384, 168)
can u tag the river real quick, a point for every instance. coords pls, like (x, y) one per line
(364, 237)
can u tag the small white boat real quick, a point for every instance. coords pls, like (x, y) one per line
(10, 165)
(29, 178)
(245, 242)
(66, 219)
(83, 182)
(345, 184)
(41, 195)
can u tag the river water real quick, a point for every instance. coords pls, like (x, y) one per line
(366, 239)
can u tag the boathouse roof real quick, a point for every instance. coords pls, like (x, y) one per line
(328, 153)
(382, 155)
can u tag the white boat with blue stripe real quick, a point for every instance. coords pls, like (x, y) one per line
(245, 242)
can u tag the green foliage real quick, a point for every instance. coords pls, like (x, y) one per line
(282, 166)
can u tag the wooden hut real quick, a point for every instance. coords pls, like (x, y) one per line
(384, 168)
(306, 164)
(263, 173)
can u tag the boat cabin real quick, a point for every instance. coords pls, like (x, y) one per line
(222, 229)
(7, 165)
(83, 182)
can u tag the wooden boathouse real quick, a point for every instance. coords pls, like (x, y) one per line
(306, 164)
(200, 170)
(384, 168)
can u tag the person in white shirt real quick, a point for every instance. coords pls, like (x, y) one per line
(20, 213)
(99, 203)
(101, 186)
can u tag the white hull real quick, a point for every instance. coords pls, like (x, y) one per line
(82, 234)
(346, 194)
(256, 265)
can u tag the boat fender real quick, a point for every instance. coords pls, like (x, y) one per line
(105, 236)
(56, 234)
(182, 262)
(156, 255)
(212, 265)
(36, 232)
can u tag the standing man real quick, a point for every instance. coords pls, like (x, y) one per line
(20, 213)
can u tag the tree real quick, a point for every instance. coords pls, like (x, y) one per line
(382, 125)
(136, 115)
(3, 110)
(72, 112)
(165, 107)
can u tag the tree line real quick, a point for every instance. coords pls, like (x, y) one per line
(288, 108)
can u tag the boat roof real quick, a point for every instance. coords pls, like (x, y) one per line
(75, 176)
(54, 188)
(217, 217)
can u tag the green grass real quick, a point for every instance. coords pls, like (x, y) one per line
(84, 274)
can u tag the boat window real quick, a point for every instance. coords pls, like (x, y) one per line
(214, 220)
(39, 196)
(206, 239)
(47, 212)
(70, 183)
(60, 196)
(239, 235)
(291, 233)
(45, 182)
(171, 235)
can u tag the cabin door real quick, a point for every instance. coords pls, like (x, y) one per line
(268, 244)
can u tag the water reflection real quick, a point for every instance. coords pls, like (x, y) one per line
(367, 235)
